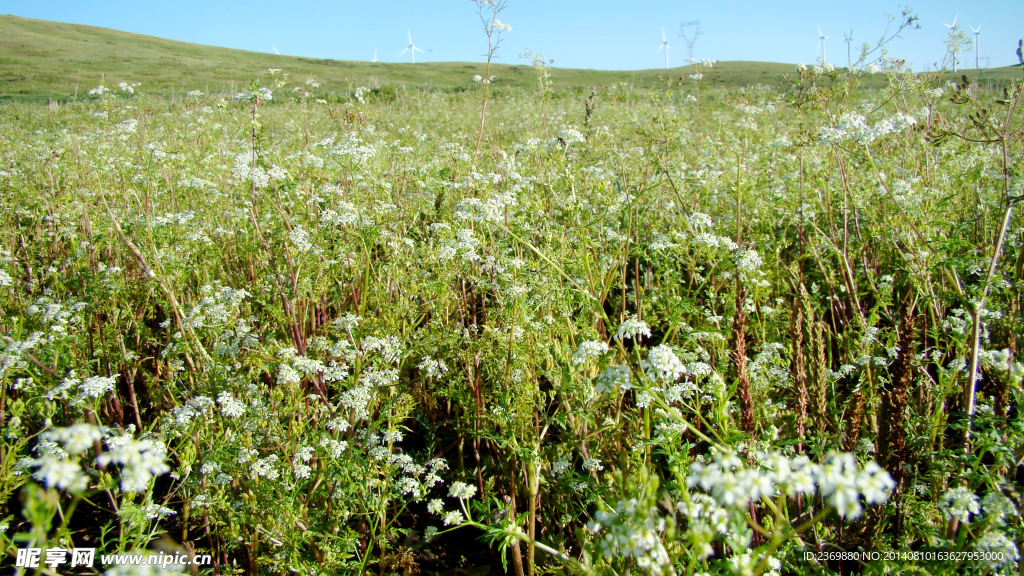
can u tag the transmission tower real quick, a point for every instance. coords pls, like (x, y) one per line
(690, 31)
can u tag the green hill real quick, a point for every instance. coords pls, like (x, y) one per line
(40, 59)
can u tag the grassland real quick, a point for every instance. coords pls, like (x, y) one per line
(664, 331)
(683, 329)
(42, 60)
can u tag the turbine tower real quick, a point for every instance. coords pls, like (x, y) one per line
(952, 31)
(977, 39)
(411, 48)
(689, 32)
(821, 42)
(664, 44)
(849, 38)
(374, 54)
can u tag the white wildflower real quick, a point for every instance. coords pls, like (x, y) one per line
(229, 406)
(959, 503)
(631, 328)
(613, 377)
(141, 461)
(461, 490)
(663, 365)
(589, 350)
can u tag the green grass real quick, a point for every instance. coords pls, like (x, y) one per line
(42, 60)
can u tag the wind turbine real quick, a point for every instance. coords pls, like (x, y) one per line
(977, 35)
(275, 50)
(849, 38)
(952, 30)
(411, 48)
(821, 42)
(664, 44)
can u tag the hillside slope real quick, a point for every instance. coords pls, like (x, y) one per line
(41, 59)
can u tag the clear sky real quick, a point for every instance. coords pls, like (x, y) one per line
(601, 34)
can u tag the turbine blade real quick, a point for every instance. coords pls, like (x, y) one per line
(404, 51)
(409, 32)
(416, 49)
(819, 29)
(275, 50)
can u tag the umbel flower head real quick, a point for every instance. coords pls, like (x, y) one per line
(663, 365)
(461, 490)
(141, 460)
(59, 467)
(633, 529)
(631, 328)
(588, 350)
(959, 503)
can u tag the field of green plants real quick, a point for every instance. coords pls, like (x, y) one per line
(610, 331)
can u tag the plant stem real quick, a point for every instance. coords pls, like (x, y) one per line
(491, 47)
(972, 374)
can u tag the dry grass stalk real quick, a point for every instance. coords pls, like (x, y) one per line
(853, 422)
(799, 367)
(818, 371)
(739, 360)
(857, 399)
(891, 434)
(821, 370)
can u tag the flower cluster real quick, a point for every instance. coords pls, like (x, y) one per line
(589, 350)
(705, 519)
(662, 364)
(60, 450)
(59, 467)
(631, 328)
(459, 490)
(431, 368)
(959, 503)
(613, 377)
(229, 406)
(838, 480)
(853, 126)
(141, 460)
(632, 529)
(91, 387)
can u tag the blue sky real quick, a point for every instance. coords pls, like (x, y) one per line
(601, 34)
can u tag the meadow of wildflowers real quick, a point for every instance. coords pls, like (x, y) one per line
(672, 331)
